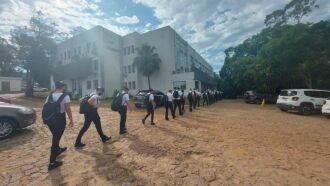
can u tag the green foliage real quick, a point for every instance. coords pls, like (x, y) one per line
(7, 62)
(147, 61)
(296, 10)
(290, 56)
(35, 50)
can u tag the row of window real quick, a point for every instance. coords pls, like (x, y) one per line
(130, 85)
(89, 84)
(129, 50)
(129, 69)
(78, 51)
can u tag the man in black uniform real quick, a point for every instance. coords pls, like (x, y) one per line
(151, 106)
(183, 101)
(177, 101)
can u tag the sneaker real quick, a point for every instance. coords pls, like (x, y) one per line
(153, 123)
(105, 139)
(123, 132)
(54, 165)
(61, 150)
(79, 145)
(143, 121)
(167, 119)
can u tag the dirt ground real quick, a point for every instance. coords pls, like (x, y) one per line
(228, 143)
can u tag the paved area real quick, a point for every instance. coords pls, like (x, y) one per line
(228, 143)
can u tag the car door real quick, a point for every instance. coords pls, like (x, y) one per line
(320, 97)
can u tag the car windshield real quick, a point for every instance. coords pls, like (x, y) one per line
(288, 93)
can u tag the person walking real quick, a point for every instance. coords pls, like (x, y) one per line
(151, 106)
(183, 101)
(92, 116)
(191, 100)
(169, 104)
(57, 126)
(123, 110)
(205, 99)
(194, 98)
(177, 101)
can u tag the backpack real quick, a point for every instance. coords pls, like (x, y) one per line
(85, 107)
(146, 100)
(117, 103)
(190, 96)
(51, 109)
(176, 94)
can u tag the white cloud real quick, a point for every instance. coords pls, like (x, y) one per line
(218, 24)
(67, 14)
(125, 20)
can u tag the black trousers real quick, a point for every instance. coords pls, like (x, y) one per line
(57, 130)
(183, 102)
(195, 103)
(150, 111)
(177, 104)
(169, 106)
(92, 116)
(205, 100)
(198, 101)
(123, 116)
(191, 102)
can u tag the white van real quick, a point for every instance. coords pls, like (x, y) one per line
(326, 108)
(305, 101)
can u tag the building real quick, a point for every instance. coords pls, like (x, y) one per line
(10, 84)
(99, 57)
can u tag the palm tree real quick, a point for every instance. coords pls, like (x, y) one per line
(147, 61)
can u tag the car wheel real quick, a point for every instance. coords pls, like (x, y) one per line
(306, 110)
(328, 116)
(284, 110)
(7, 127)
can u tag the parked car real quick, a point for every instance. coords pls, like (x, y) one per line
(305, 101)
(14, 117)
(39, 89)
(139, 98)
(326, 108)
(252, 96)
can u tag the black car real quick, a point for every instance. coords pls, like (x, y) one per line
(252, 96)
(139, 98)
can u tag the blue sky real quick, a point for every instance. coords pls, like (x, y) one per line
(210, 26)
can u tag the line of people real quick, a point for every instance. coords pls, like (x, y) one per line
(57, 106)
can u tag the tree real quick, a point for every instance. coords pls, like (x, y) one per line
(7, 63)
(35, 50)
(147, 61)
(296, 9)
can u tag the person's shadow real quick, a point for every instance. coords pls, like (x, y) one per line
(56, 176)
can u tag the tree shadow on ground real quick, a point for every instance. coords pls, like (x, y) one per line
(108, 167)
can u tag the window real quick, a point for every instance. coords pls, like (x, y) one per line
(79, 50)
(125, 69)
(69, 54)
(132, 49)
(128, 50)
(180, 85)
(133, 85)
(129, 85)
(124, 51)
(288, 93)
(96, 65)
(129, 68)
(88, 47)
(64, 55)
(96, 84)
(5, 86)
(89, 85)
(75, 51)
(133, 68)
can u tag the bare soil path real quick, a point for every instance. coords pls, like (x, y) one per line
(228, 143)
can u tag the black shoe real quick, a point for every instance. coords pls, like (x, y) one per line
(79, 145)
(153, 123)
(61, 150)
(143, 121)
(123, 132)
(105, 139)
(54, 165)
(167, 119)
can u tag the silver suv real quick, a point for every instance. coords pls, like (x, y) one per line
(13, 117)
(305, 101)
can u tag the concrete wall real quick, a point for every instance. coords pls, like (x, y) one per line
(14, 83)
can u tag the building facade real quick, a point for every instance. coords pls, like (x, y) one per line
(10, 84)
(99, 57)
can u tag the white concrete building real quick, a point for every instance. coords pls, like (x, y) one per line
(10, 84)
(111, 56)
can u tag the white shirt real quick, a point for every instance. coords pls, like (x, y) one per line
(151, 97)
(56, 96)
(169, 97)
(125, 98)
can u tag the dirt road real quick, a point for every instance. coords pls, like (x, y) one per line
(228, 143)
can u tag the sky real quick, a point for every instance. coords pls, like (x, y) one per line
(210, 26)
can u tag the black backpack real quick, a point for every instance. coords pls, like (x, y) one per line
(85, 107)
(176, 94)
(51, 109)
(190, 96)
(146, 100)
(117, 103)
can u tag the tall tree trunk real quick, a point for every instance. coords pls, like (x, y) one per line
(29, 85)
(149, 82)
